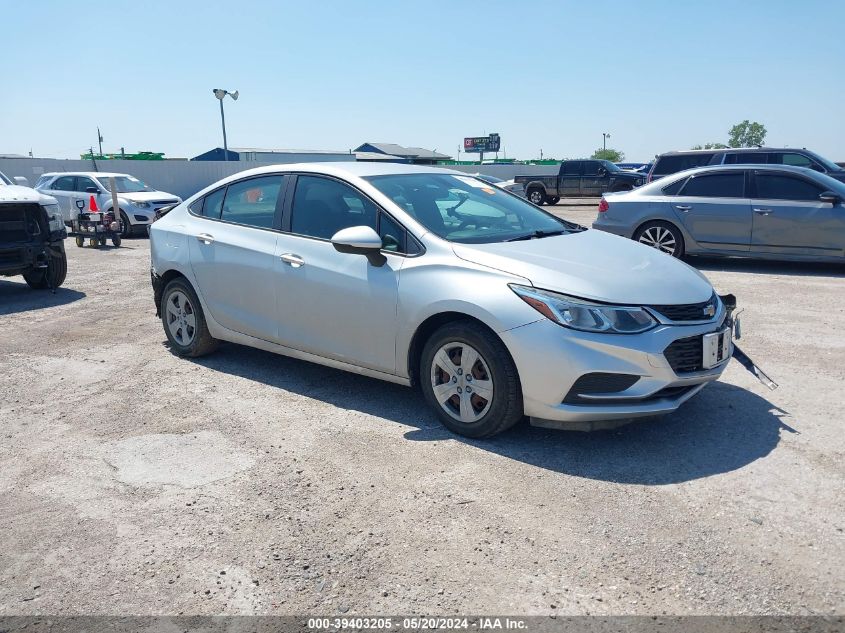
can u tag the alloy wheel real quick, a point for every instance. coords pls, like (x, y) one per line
(462, 382)
(181, 320)
(536, 196)
(659, 237)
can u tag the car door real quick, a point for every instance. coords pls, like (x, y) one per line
(62, 189)
(570, 179)
(594, 179)
(232, 244)
(715, 210)
(789, 218)
(335, 305)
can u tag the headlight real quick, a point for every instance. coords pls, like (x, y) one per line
(584, 315)
(142, 205)
(57, 222)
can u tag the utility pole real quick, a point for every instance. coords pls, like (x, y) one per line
(604, 137)
(100, 140)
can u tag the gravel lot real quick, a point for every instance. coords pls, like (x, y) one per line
(135, 482)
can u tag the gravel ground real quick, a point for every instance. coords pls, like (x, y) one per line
(135, 482)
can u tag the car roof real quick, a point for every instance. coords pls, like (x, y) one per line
(763, 167)
(90, 174)
(733, 149)
(362, 169)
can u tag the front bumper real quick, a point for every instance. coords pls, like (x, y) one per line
(550, 359)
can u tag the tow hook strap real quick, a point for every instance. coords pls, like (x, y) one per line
(749, 364)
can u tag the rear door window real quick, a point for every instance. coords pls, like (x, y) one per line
(674, 163)
(747, 158)
(252, 202)
(572, 168)
(715, 186)
(777, 187)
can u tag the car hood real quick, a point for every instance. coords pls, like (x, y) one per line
(16, 193)
(147, 196)
(595, 265)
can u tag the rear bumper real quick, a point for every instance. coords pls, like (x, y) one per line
(603, 223)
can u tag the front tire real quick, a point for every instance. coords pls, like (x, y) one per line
(470, 380)
(184, 321)
(127, 228)
(536, 196)
(51, 277)
(663, 236)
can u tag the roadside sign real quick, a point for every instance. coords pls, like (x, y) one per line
(481, 144)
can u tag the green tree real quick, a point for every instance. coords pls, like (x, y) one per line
(613, 155)
(747, 134)
(711, 146)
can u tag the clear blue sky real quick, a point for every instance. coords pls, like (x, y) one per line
(657, 75)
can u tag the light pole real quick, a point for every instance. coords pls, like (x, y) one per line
(604, 137)
(220, 94)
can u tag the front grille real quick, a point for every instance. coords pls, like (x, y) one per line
(689, 311)
(686, 354)
(19, 222)
(598, 382)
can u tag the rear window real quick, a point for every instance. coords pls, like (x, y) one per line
(673, 163)
(674, 188)
(715, 186)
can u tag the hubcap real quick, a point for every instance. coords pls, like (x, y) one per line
(536, 197)
(181, 321)
(660, 238)
(462, 382)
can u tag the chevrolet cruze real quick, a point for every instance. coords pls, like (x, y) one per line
(432, 278)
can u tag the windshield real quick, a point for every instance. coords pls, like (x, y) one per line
(828, 164)
(468, 210)
(124, 184)
(610, 166)
(4, 180)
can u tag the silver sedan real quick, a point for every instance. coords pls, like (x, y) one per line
(766, 211)
(429, 277)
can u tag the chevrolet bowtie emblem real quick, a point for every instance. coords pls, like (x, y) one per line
(709, 310)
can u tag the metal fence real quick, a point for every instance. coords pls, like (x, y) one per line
(185, 178)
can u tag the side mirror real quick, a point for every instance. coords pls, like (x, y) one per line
(830, 196)
(22, 181)
(602, 172)
(91, 190)
(360, 240)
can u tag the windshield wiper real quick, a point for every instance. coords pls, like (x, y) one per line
(536, 235)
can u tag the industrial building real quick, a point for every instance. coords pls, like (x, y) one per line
(255, 154)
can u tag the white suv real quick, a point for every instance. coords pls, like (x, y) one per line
(138, 202)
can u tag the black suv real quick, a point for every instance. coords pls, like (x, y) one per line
(32, 234)
(673, 162)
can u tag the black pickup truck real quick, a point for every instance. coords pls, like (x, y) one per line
(586, 178)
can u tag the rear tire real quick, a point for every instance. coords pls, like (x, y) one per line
(184, 321)
(536, 196)
(663, 236)
(470, 380)
(80, 241)
(116, 239)
(51, 277)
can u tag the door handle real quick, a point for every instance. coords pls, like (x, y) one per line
(205, 238)
(683, 207)
(763, 211)
(294, 260)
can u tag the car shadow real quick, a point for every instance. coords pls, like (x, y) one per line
(767, 267)
(722, 429)
(16, 296)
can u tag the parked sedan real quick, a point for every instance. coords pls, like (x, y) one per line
(774, 212)
(430, 277)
